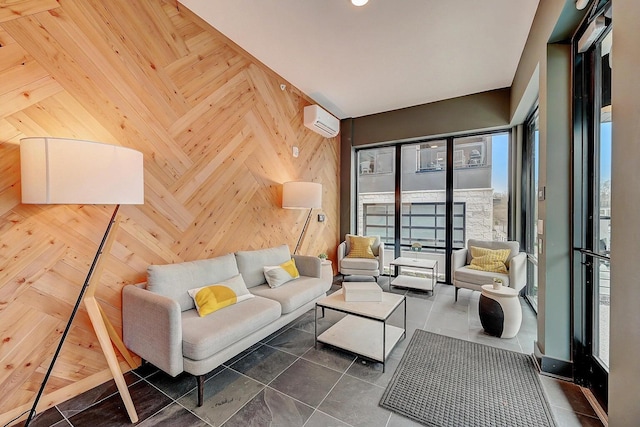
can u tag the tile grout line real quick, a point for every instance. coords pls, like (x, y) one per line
(68, 419)
(173, 401)
(329, 392)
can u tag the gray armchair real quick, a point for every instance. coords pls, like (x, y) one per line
(465, 277)
(361, 266)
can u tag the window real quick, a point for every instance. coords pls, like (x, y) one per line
(481, 178)
(431, 156)
(469, 154)
(376, 161)
(439, 193)
(378, 221)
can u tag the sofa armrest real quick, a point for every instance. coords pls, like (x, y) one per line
(309, 266)
(458, 260)
(152, 328)
(518, 271)
(381, 257)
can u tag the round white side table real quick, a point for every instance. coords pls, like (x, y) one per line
(500, 311)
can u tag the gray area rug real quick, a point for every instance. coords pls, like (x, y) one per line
(443, 381)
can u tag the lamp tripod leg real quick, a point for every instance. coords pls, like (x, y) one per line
(104, 330)
(94, 312)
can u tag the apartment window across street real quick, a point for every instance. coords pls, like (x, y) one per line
(433, 156)
(376, 161)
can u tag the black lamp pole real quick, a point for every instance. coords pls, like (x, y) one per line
(32, 411)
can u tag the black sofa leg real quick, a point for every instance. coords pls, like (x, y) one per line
(200, 380)
(457, 289)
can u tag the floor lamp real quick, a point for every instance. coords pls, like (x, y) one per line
(69, 171)
(301, 195)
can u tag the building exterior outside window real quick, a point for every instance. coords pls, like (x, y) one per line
(480, 207)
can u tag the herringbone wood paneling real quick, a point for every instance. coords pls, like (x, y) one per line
(216, 131)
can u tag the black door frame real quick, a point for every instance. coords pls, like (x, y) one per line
(528, 198)
(588, 372)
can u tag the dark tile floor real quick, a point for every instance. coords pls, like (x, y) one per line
(285, 381)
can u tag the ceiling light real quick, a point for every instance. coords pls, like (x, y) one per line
(581, 4)
(359, 2)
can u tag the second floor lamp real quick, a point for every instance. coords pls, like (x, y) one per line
(302, 195)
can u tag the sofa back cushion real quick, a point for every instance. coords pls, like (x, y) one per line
(174, 280)
(251, 263)
(514, 246)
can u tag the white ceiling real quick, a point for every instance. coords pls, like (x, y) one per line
(385, 55)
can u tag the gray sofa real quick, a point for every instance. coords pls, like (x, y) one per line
(161, 324)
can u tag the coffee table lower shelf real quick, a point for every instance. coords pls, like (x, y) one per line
(413, 283)
(363, 337)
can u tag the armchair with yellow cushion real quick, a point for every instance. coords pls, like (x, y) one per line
(361, 256)
(482, 260)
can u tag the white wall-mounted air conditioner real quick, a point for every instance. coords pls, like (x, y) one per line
(320, 121)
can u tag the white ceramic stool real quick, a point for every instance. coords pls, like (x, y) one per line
(326, 271)
(500, 311)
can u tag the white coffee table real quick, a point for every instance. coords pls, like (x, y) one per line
(364, 331)
(413, 282)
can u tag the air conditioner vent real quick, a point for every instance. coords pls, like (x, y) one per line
(320, 121)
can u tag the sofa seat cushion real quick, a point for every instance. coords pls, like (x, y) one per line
(478, 277)
(205, 336)
(359, 264)
(294, 294)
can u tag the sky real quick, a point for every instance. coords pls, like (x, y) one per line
(500, 162)
(605, 152)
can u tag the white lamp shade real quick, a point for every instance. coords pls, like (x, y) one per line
(70, 171)
(301, 195)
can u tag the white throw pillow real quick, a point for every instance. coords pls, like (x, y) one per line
(278, 275)
(237, 284)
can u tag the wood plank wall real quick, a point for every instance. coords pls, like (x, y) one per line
(216, 131)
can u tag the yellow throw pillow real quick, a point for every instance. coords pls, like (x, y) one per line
(493, 260)
(278, 275)
(360, 247)
(290, 267)
(209, 299)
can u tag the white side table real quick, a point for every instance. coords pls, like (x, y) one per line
(500, 311)
(326, 271)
